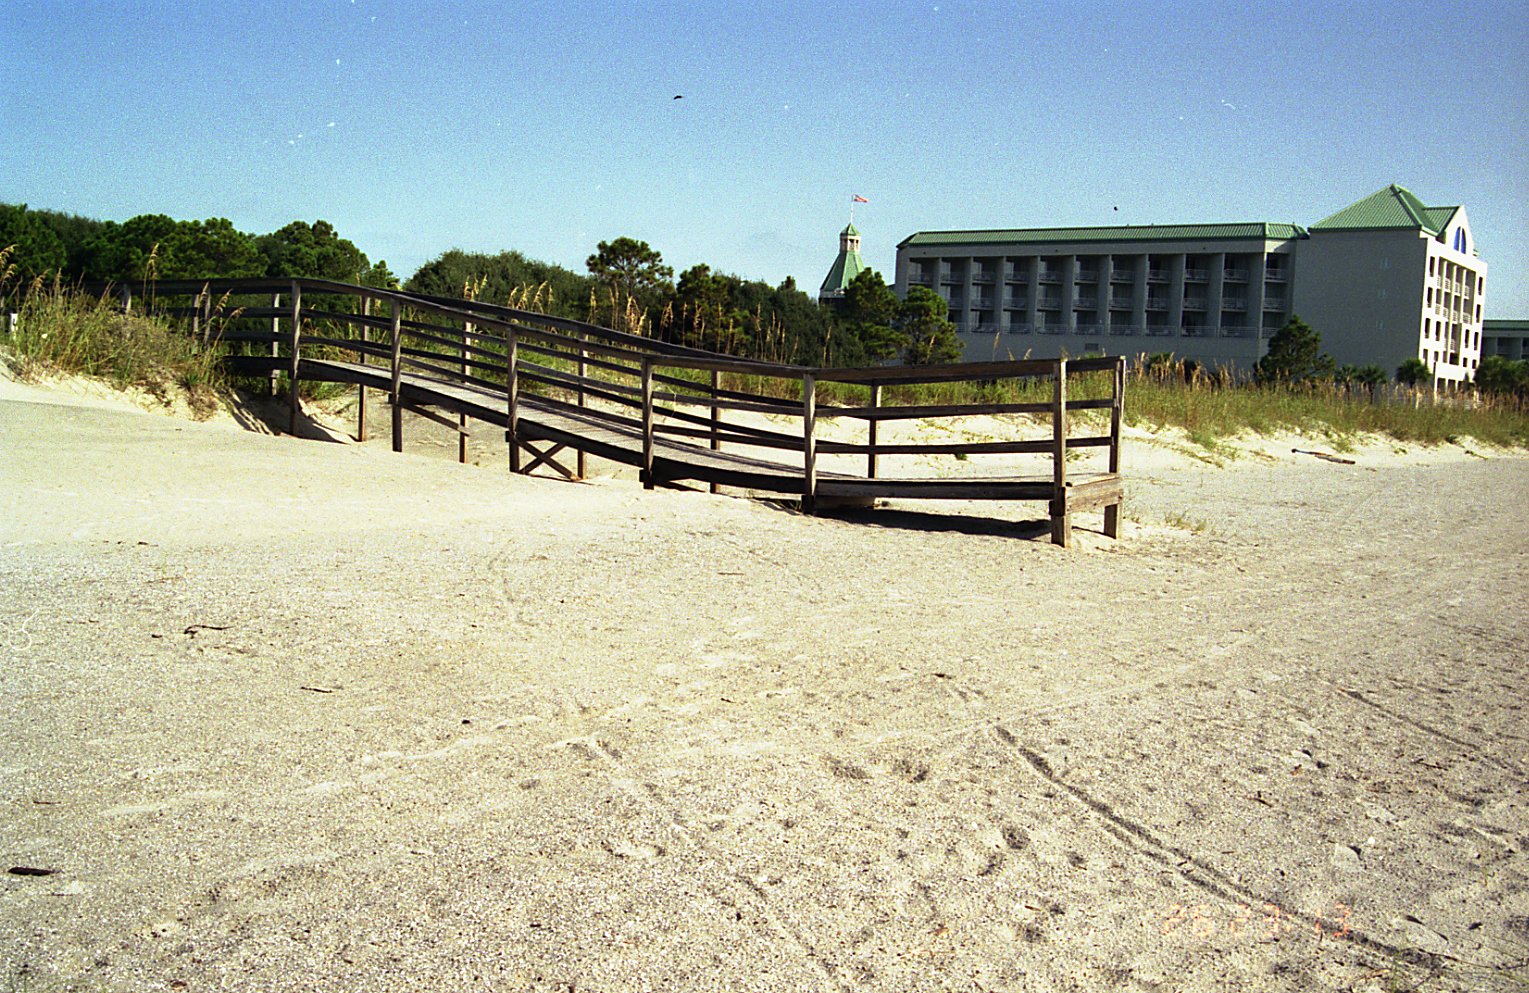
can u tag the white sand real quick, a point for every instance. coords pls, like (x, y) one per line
(291, 715)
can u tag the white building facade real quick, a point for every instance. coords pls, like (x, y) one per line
(1384, 280)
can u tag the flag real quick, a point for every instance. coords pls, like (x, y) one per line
(857, 198)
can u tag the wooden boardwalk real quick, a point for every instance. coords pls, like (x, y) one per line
(555, 386)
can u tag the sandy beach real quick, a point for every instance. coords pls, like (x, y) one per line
(280, 714)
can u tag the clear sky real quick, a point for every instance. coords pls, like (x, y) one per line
(416, 126)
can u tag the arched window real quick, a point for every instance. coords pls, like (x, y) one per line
(1460, 239)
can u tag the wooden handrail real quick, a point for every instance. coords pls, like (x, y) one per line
(470, 345)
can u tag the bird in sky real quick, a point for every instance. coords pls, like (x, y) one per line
(679, 96)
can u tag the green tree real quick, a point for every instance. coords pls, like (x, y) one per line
(1498, 374)
(127, 252)
(1413, 372)
(1295, 353)
(209, 249)
(635, 279)
(930, 335)
(500, 278)
(35, 249)
(315, 250)
(868, 315)
(1362, 375)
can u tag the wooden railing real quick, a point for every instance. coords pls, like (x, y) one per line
(677, 413)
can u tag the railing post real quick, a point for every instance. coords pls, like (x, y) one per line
(467, 335)
(126, 293)
(512, 397)
(1061, 520)
(366, 313)
(647, 423)
(196, 315)
(870, 459)
(294, 406)
(395, 392)
(809, 443)
(582, 467)
(716, 419)
(206, 314)
(275, 342)
(1117, 412)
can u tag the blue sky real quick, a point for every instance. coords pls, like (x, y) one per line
(416, 125)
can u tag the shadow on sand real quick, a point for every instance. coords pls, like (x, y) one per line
(931, 521)
(270, 415)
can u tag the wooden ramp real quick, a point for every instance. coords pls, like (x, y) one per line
(555, 386)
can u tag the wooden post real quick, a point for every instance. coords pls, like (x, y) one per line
(716, 419)
(809, 443)
(512, 397)
(294, 405)
(126, 292)
(366, 312)
(582, 467)
(275, 342)
(870, 459)
(196, 315)
(647, 423)
(467, 337)
(1117, 412)
(395, 394)
(1061, 520)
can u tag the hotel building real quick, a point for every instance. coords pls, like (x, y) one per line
(1383, 280)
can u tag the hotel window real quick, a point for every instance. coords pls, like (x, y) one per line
(1460, 240)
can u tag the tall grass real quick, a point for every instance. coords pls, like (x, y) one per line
(1212, 407)
(59, 330)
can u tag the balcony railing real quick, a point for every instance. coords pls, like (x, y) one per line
(1086, 300)
(1235, 332)
(982, 277)
(1273, 302)
(1017, 303)
(1157, 275)
(1053, 328)
(1194, 275)
(1234, 303)
(1050, 276)
(1234, 275)
(1157, 303)
(984, 329)
(1021, 328)
(1122, 273)
(1091, 330)
(982, 303)
(1194, 303)
(921, 279)
(1275, 275)
(1050, 302)
(1126, 329)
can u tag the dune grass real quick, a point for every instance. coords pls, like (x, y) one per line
(61, 331)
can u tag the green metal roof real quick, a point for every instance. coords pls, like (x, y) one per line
(850, 229)
(1392, 207)
(845, 268)
(1257, 231)
(1505, 325)
(1440, 217)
